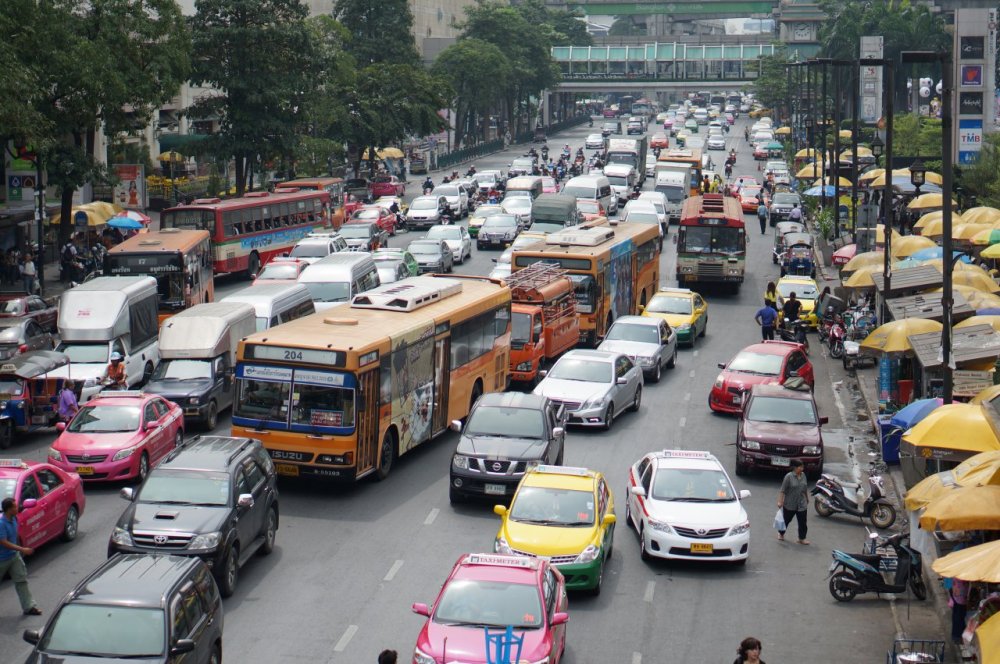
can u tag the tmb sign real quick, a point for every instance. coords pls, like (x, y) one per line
(970, 140)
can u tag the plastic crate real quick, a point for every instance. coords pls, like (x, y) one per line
(915, 651)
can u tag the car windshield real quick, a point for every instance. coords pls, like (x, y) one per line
(803, 291)
(425, 249)
(445, 233)
(12, 307)
(669, 304)
(517, 202)
(388, 273)
(692, 485)
(86, 353)
(555, 507)
(105, 419)
(310, 250)
(588, 207)
(485, 213)
(779, 410)
(790, 199)
(489, 604)
(506, 422)
(449, 191)
(588, 371)
(105, 631)
(367, 214)
(424, 204)
(618, 180)
(646, 334)
(183, 369)
(499, 221)
(278, 271)
(642, 217)
(355, 231)
(765, 364)
(328, 291)
(185, 488)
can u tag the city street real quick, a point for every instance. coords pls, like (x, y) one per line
(350, 560)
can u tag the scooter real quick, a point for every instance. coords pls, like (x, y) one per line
(853, 358)
(835, 339)
(856, 573)
(795, 331)
(831, 498)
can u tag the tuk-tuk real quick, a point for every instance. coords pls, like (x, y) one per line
(29, 396)
(539, 134)
(781, 229)
(799, 259)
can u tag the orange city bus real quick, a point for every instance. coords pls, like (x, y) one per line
(342, 393)
(614, 270)
(247, 232)
(180, 261)
(332, 186)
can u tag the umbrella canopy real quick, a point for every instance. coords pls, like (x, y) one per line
(978, 563)
(930, 253)
(975, 280)
(826, 191)
(906, 262)
(990, 393)
(880, 234)
(965, 508)
(935, 228)
(806, 152)
(868, 176)
(171, 156)
(845, 133)
(774, 145)
(910, 244)
(97, 213)
(135, 214)
(980, 320)
(960, 266)
(844, 255)
(863, 277)
(809, 171)
(868, 258)
(844, 182)
(992, 251)
(983, 468)
(783, 131)
(977, 299)
(862, 152)
(927, 218)
(928, 201)
(986, 237)
(966, 231)
(908, 416)
(385, 153)
(988, 640)
(125, 223)
(951, 431)
(892, 337)
(981, 215)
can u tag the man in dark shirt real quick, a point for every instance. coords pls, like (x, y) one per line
(766, 317)
(791, 309)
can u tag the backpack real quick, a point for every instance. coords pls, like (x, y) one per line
(67, 252)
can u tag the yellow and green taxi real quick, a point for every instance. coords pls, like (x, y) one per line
(806, 291)
(565, 515)
(683, 309)
(478, 216)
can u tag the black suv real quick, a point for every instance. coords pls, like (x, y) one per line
(505, 434)
(214, 497)
(150, 608)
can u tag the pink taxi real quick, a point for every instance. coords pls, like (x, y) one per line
(51, 500)
(495, 591)
(118, 436)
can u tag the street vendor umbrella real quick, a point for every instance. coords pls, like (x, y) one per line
(978, 300)
(990, 393)
(809, 171)
(868, 258)
(986, 237)
(992, 251)
(892, 338)
(909, 415)
(844, 255)
(977, 564)
(868, 176)
(934, 215)
(135, 214)
(975, 280)
(783, 131)
(951, 431)
(964, 232)
(862, 152)
(910, 244)
(977, 470)
(980, 320)
(935, 228)
(927, 202)
(988, 640)
(125, 223)
(930, 253)
(965, 508)
(774, 145)
(826, 191)
(957, 266)
(806, 152)
(981, 215)
(844, 182)
(171, 156)
(863, 277)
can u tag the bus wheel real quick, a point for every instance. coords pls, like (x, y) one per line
(387, 456)
(253, 265)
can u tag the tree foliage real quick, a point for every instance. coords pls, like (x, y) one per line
(381, 31)
(474, 96)
(771, 87)
(625, 26)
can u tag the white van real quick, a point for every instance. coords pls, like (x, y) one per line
(593, 186)
(623, 179)
(673, 185)
(274, 304)
(524, 185)
(339, 277)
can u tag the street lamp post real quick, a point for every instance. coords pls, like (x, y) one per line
(836, 152)
(918, 175)
(887, 211)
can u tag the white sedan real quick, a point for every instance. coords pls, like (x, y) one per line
(595, 142)
(684, 506)
(648, 341)
(456, 237)
(716, 142)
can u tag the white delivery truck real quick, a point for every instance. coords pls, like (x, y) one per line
(672, 183)
(198, 355)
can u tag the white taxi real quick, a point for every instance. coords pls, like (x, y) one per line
(685, 507)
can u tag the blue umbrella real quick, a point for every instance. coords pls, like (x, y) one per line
(913, 413)
(988, 311)
(825, 191)
(937, 252)
(125, 223)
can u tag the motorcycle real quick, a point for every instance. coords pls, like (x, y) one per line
(835, 339)
(857, 573)
(795, 332)
(729, 170)
(831, 498)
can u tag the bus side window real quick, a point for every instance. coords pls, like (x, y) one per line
(263, 219)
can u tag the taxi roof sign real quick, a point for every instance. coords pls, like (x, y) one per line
(685, 454)
(562, 470)
(500, 560)
(123, 394)
(12, 463)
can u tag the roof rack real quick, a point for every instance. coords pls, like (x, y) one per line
(534, 276)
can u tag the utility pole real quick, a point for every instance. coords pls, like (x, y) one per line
(887, 210)
(836, 151)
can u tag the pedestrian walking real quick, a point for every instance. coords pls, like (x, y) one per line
(766, 317)
(387, 657)
(68, 405)
(958, 600)
(12, 557)
(762, 217)
(28, 273)
(771, 296)
(793, 500)
(748, 652)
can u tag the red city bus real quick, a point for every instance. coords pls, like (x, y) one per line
(334, 186)
(247, 232)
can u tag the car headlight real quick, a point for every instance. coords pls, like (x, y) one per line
(661, 526)
(595, 402)
(750, 444)
(55, 454)
(500, 545)
(719, 382)
(684, 326)
(194, 401)
(646, 361)
(121, 537)
(420, 657)
(125, 453)
(588, 555)
(523, 366)
(460, 462)
(206, 541)
(812, 449)
(740, 528)
(90, 382)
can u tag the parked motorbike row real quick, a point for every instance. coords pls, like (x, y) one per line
(843, 331)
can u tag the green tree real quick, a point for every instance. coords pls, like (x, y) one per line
(258, 55)
(626, 26)
(771, 88)
(475, 96)
(564, 28)
(381, 31)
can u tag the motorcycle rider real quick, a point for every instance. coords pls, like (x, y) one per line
(117, 379)
(795, 214)
(790, 310)
(428, 185)
(471, 172)
(447, 214)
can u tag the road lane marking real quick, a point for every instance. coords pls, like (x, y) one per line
(636, 658)
(683, 421)
(687, 396)
(392, 570)
(346, 638)
(691, 374)
(430, 517)
(650, 589)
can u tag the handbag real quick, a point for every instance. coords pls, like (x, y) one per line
(779, 520)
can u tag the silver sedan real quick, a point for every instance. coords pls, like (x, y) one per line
(650, 342)
(594, 386)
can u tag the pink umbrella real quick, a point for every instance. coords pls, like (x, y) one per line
(843, 255)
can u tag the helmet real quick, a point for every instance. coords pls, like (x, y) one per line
(116, 357)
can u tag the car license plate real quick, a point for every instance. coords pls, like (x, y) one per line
(780, 461)
(701, 548)
(84, 470)
(287, 469)
(495, 489)
(737, 399)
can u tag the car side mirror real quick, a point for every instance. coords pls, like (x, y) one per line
(245, 500)
(609, 519)
(641, 308)
(32, 636)
(559, 618)
(542, 373)
(128, 493)
(744, 494)
(456, 425)
(722, 365)
(29, 503)
(793, 372)
(181, 647)
(557, 431)
(500, 510)
(637, 491)
(421, 609)
(60, 426)
(824, 420)
(149, 426)
(623, 380)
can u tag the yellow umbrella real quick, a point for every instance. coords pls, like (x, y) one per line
(938, 264)
(97, 212)
(782, 131)
(390, 153)
(988, 640)
(928, 201)
(992, 251)
(935, 227)
(868, 176)
(806, 152)
(981, 215)
(990, 393)
(978, 281)
(978, 563)
(987, 236)
(845, 133)
(863, 277)
(966, 231)
(810, 171)
(965, 508)
(847, 155)
(865, 259)
(892, 337)
(844, 182)
(978, 299)
(952, 431)
(173, 156)
(910, 244)
(983, 468)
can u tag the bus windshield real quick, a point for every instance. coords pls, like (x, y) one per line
(193, 219)
(709, 240)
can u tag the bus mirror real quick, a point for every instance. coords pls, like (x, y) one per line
(456, 425)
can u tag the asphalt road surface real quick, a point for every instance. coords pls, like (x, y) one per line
(350, 560)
